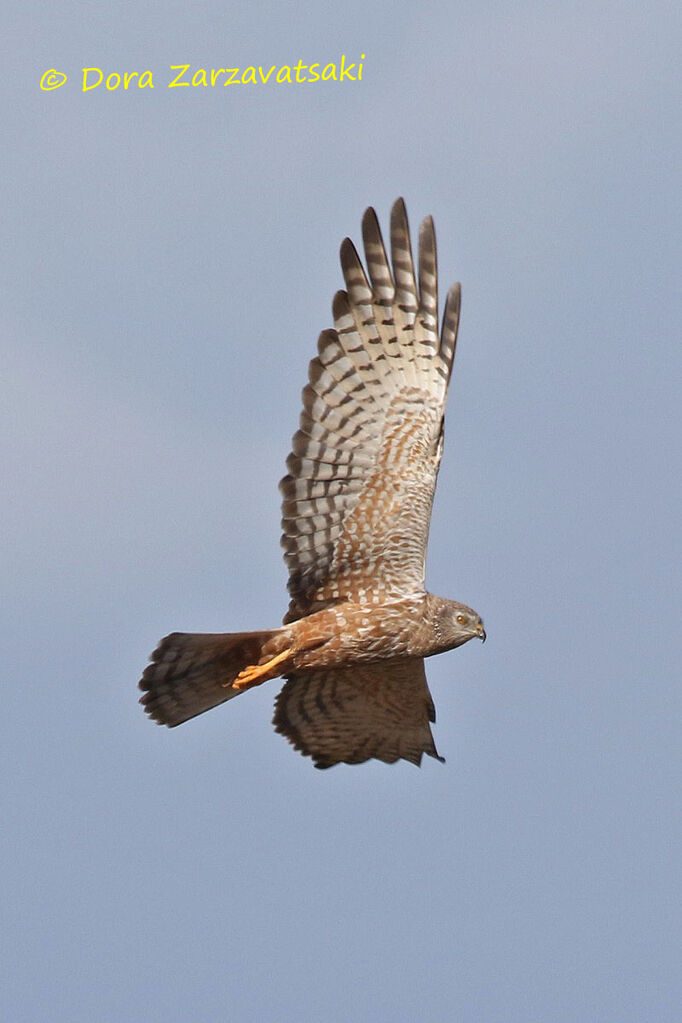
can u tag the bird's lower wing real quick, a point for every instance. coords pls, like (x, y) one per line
(348, 715)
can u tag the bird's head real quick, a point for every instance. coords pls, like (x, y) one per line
(456, 624)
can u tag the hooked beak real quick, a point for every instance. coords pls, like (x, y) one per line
(481, 632)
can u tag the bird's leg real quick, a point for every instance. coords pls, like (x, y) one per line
(254, 674)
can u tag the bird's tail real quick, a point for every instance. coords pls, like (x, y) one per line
(193, 672)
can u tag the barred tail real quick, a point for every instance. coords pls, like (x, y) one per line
(193, 672)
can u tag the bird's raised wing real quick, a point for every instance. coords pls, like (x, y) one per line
(362, 472)
(348, 715)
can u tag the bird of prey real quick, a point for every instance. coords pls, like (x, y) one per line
(355, 520)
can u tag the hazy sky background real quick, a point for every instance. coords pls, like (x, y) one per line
(169, 257)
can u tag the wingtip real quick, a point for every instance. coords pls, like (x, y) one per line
(346, 249)
(399, 209)
(369, 218)
(427, 231)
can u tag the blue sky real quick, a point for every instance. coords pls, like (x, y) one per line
(168, 259)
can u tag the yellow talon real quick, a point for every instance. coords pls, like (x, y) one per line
(254, 674)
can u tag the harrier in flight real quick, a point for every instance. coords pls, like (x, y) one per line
(355, 521)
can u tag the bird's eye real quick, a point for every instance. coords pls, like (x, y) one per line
(462, 619)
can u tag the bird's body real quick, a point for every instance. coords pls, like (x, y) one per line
(348, 634)
(356, 511)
